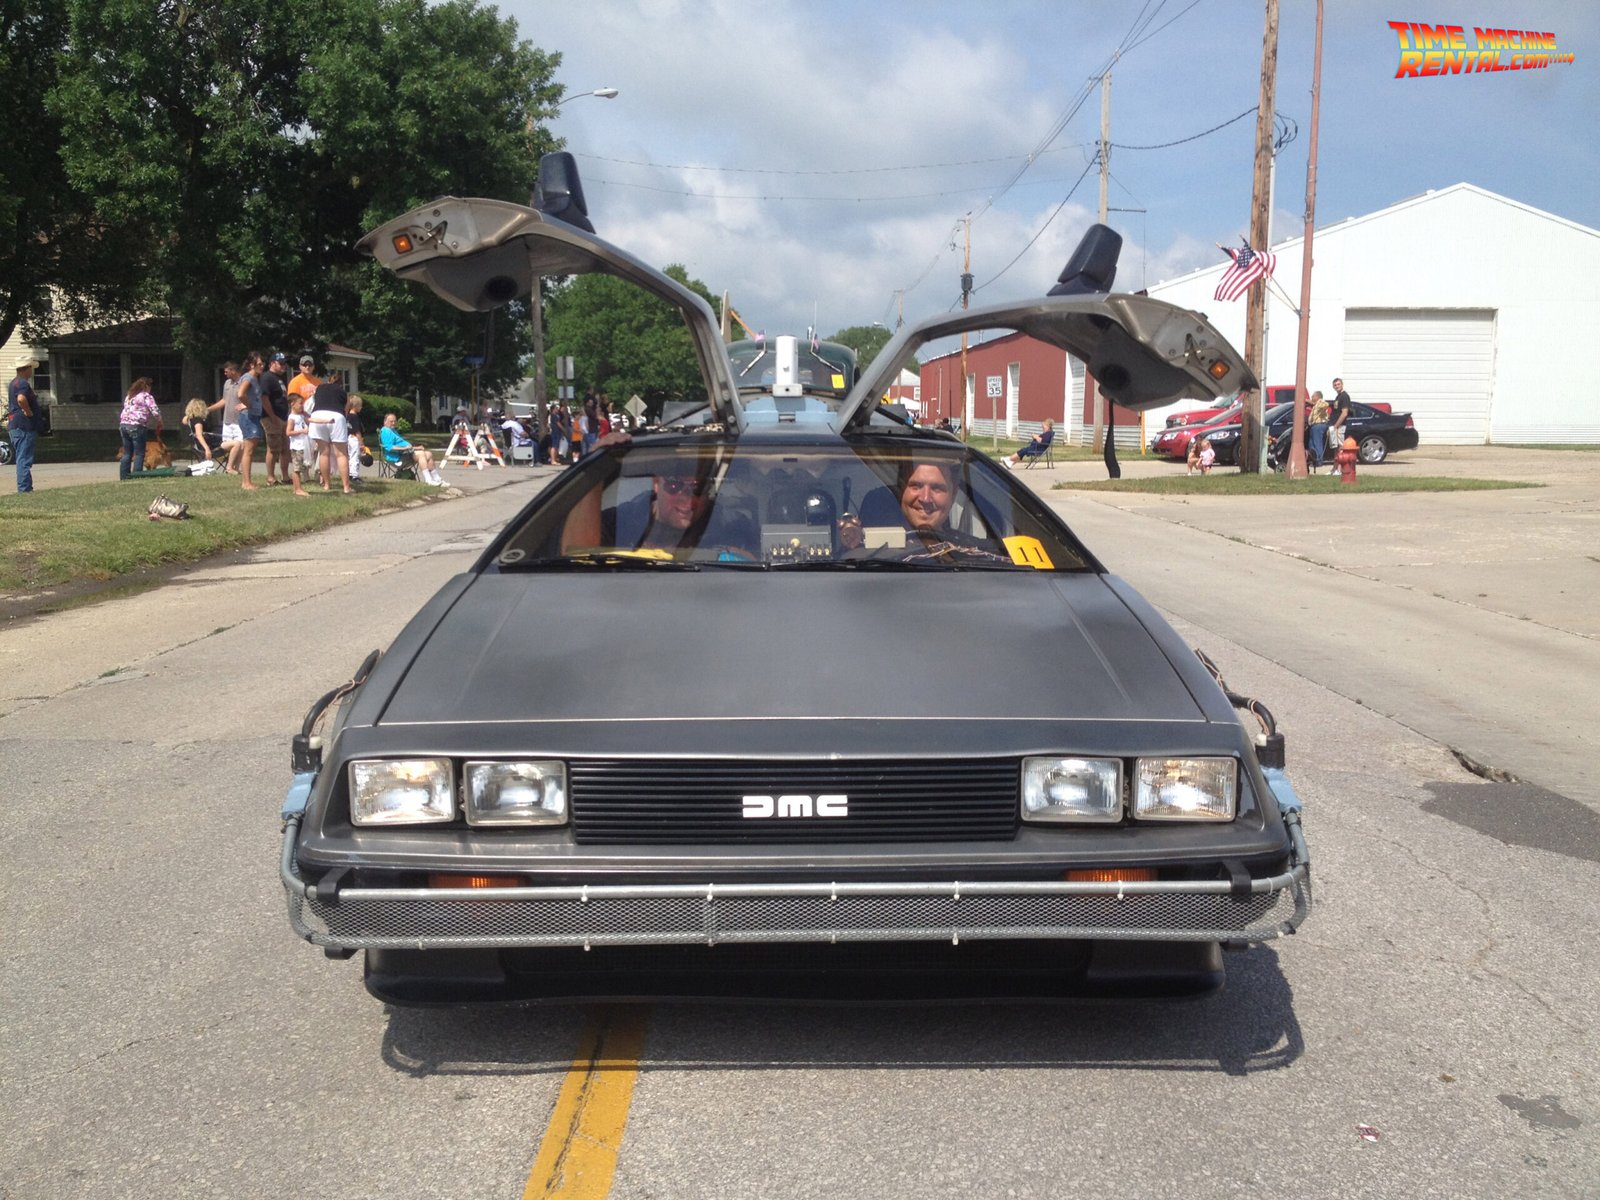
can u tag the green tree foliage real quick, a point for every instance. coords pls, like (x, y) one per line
(59, 260)
(866, 341)
(624, 341)
(251, 143)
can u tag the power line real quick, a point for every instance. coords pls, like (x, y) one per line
(1042, 228)
(897, 196)
(1205, 133)
(1138, 33)
(968, 162)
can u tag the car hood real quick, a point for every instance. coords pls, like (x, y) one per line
(730, 646)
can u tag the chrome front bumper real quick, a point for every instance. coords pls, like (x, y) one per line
(356, 918)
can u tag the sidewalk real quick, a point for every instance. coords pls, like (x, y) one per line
(56, 475)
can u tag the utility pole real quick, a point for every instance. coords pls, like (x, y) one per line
(966, 297)
(1296, 468)
(1105, 182)
(1250, 441)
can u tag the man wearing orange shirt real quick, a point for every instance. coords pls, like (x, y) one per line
(305, 383)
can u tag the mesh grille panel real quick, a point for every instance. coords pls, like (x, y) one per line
(660, 920)
(617, 801)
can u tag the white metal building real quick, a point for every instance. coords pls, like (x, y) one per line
(1469, 310)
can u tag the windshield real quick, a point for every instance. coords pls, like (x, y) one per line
(698, 503)
(825, 369)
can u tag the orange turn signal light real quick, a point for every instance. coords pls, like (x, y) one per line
(439, 879)
(1112, 875)
(402, 243)
(1217, 369)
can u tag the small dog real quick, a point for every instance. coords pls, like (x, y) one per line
(156, 455)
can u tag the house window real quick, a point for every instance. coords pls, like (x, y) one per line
(165, 373)
(89, 378)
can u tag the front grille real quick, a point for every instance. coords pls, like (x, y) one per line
(701, 801)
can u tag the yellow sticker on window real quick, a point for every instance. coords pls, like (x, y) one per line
(1029, 552)
(838, 381)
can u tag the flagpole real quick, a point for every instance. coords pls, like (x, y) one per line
(1296, 468)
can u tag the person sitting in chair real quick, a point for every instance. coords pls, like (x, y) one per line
(1036, 446)
(394, 446)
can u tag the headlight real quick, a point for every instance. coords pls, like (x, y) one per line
(1185, 789)
(1072, 789)
(402, 791)
(516, 793)
(1224, 435)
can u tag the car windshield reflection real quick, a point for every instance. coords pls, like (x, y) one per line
(703, 503)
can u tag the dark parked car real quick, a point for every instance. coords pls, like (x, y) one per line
(840, 704)
(1377, 433)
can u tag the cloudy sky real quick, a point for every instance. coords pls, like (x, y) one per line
(818, 157)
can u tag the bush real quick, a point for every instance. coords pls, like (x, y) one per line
(380, 406)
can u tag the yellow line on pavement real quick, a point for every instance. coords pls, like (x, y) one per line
(578, 1156)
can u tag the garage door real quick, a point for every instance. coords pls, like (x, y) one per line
(1437, 364)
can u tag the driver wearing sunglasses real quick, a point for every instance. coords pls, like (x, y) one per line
(678, 504)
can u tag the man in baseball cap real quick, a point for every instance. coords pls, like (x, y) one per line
(23, 420)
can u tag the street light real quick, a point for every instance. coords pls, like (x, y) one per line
(605, 93)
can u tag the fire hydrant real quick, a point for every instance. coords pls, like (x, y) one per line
(1346, 458)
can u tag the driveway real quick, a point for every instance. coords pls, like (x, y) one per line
(1470, 615)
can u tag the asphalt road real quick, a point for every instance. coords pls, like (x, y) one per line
(162, 1033)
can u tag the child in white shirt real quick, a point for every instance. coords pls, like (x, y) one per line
(299, 431)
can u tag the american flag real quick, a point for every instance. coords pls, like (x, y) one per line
(1248, 266)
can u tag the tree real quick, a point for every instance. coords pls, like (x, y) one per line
(58, 259)
(623, 340)
(251, 144)
(866, 341)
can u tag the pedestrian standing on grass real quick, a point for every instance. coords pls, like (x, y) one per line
(1317, 428)
(305, 384)
(354, 448)
(275, 418)
(232, 439)
(1341, 414)
(138, 418)
(298, 432)
(23, 420)
(330, 434)
(250, 417)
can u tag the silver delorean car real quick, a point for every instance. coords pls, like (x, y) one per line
(841, 709)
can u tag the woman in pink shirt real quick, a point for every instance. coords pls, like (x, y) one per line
(138, 418)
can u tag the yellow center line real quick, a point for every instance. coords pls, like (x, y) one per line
(578, 1155)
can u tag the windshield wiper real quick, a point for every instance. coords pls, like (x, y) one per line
(854, 564)
(621, 561)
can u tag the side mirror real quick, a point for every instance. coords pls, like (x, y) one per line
(1093, 265)
(559, 192)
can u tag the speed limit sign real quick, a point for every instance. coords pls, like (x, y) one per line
(994, 387)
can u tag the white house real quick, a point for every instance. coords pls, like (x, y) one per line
(1467, 309)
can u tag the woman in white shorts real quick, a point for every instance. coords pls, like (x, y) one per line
(330, 435)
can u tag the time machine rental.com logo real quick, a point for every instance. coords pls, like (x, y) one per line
(1443, 50)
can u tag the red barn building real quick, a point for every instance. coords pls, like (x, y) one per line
(1012, 384)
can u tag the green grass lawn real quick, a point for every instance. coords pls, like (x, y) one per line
(1234, 484)
(99, 531)
(1065, 452)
